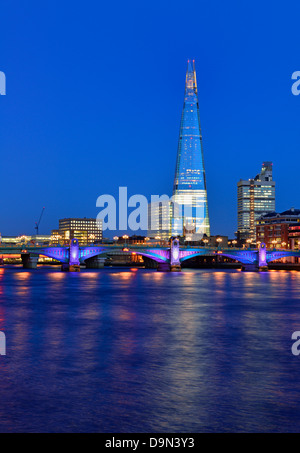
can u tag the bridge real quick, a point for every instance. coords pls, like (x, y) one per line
(168, 258)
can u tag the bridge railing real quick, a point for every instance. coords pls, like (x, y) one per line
(30, 246)
(21, 246)
(115, 246)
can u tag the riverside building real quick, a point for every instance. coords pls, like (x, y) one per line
(86, 230)
(256, 197)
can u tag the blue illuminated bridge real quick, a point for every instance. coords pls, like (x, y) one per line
(168, 258)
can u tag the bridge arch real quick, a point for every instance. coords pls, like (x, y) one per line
(90, 252)
(157, 255)
(60, 254)
(277, 255)
(153, 256)
(243, 257)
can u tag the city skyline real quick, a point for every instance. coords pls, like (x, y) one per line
(60, 120)
(149, 203)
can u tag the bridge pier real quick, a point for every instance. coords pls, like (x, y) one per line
(66, 267)
(163, 267)
(29, 261)
(175, 268)
(250, 267)
(96, 262)
(175, 265)
(262, 257)
(74, 264)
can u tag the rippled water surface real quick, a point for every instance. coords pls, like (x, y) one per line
(118, 350)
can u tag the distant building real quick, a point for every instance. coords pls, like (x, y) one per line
(206, 241)
(280, 230)
(84, 229)
(256, 197)
(159, 220)
(55, 236)
(215, 241)
(41, 239)
(133, 240)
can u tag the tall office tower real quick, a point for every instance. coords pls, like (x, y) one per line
(256, 197)
(190, 217)
(159, 220)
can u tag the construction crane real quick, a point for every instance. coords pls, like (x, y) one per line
(37, 224)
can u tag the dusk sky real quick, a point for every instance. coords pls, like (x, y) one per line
(95, 93)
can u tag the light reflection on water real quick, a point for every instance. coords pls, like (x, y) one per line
(141, 351)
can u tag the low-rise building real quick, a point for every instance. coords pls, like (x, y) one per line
(40, 239)
(280, 230)
(86, 230)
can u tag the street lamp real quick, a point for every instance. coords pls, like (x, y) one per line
(116, 238)
(274, 243)
(219, 240)
(283, 244)
(125, 237)
(249, 242)
(233, 242)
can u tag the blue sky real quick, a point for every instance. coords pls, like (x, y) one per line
(95, 93)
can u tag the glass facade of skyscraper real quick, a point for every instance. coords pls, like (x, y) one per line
(256, 197)
(190, 217)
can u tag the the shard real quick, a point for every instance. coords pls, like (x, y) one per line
(190, 217)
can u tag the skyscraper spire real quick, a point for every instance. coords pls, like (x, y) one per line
(195, 79)
(190, 79)
(190, 184)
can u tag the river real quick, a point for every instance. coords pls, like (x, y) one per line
(135, 350)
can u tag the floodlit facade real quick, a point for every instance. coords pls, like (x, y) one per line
(256, 197)
(84, 229)
(280, 230)
(190, 216)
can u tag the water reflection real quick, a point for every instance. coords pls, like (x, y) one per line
(22, 275)
(127, 351)
(56, 276)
